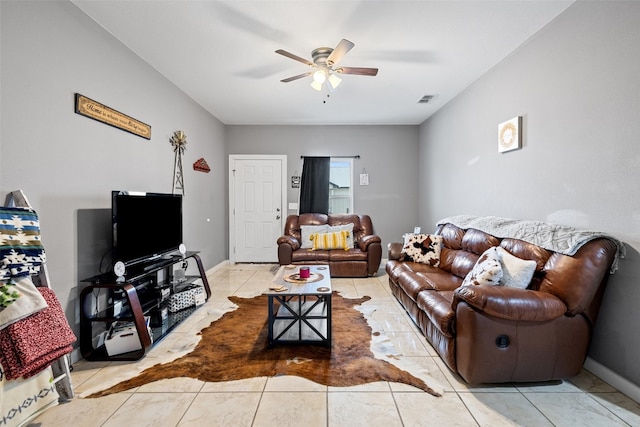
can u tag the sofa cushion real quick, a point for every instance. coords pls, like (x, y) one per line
(396, 267)
(309, 256)
(452, 235)
(487, 271)
(440, 280)
(423, 248)
(412, 284)
(516, 272)
(307, 230)
(350, 255)
(478, 242)
(335, 240)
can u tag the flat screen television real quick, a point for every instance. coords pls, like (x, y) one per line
(146, 226)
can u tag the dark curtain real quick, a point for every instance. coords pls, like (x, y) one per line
(314, 187)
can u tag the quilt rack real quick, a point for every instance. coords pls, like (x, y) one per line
(60, 367)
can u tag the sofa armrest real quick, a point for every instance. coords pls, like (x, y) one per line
(289, 240)
(365, 241)
(511, 303)
(395, 250)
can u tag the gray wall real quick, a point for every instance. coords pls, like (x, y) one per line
(389, 154)
(68, 164)
(576, 85)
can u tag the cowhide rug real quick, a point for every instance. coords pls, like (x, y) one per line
(235, 347)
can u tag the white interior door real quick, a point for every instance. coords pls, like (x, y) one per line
(257, 196)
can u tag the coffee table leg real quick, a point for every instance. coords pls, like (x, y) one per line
(328, 301)
(271, 320)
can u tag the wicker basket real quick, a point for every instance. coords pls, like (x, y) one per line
(186, 298)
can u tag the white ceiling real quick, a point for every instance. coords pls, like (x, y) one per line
(222, 53)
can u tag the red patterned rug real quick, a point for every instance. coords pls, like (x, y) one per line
(235, 347)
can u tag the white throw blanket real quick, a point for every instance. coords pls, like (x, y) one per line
(553, 237)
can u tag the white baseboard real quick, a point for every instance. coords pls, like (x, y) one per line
(625, 386)
(218, 266)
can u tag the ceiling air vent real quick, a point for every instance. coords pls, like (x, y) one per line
(425, 99)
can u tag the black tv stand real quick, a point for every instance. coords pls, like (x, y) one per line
(141, 296)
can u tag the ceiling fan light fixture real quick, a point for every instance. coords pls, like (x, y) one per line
(317, 86)
(320, 76)
(334, 81)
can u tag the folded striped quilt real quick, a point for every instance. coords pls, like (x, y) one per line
(21, 251)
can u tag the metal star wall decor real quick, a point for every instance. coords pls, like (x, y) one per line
(179, 142)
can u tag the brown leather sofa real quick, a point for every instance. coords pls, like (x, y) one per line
(498, 334)
(361, 260)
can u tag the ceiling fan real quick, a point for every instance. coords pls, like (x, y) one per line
(324, 62)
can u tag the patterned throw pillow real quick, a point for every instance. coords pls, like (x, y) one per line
(336, 240)
(423, 248)
(516, 272)
(487, 271)
(346, 227)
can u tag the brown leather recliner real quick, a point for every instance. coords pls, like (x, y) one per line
(360, 261)
(497, 334)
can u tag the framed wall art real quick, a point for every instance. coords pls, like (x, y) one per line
(510, 135)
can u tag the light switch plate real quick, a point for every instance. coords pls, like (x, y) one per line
(293, 206)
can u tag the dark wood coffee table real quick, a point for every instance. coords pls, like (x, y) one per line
(302, 313)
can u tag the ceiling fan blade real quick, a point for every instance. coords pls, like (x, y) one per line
(299, 76)
(295, 57)
(341, 50)
(358, 70)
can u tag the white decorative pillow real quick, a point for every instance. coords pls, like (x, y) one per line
(346, 227)
(487, 271)
(307, 230)
(423, 248)
(516, 272)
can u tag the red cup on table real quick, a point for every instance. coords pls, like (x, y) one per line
(305, 272)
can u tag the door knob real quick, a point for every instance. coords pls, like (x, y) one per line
(277, 209)
(277, 216)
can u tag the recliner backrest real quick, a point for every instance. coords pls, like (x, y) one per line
(575, 279)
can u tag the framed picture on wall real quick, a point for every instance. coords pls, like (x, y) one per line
(510, 135)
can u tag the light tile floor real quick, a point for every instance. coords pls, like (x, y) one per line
(292, 401)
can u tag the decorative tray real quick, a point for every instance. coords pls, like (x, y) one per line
(295, 278)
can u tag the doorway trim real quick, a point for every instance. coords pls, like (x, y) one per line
(232, 218)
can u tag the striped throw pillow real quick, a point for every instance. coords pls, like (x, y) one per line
(335, 240)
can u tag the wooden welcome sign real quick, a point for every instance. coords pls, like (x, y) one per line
(100, 112)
